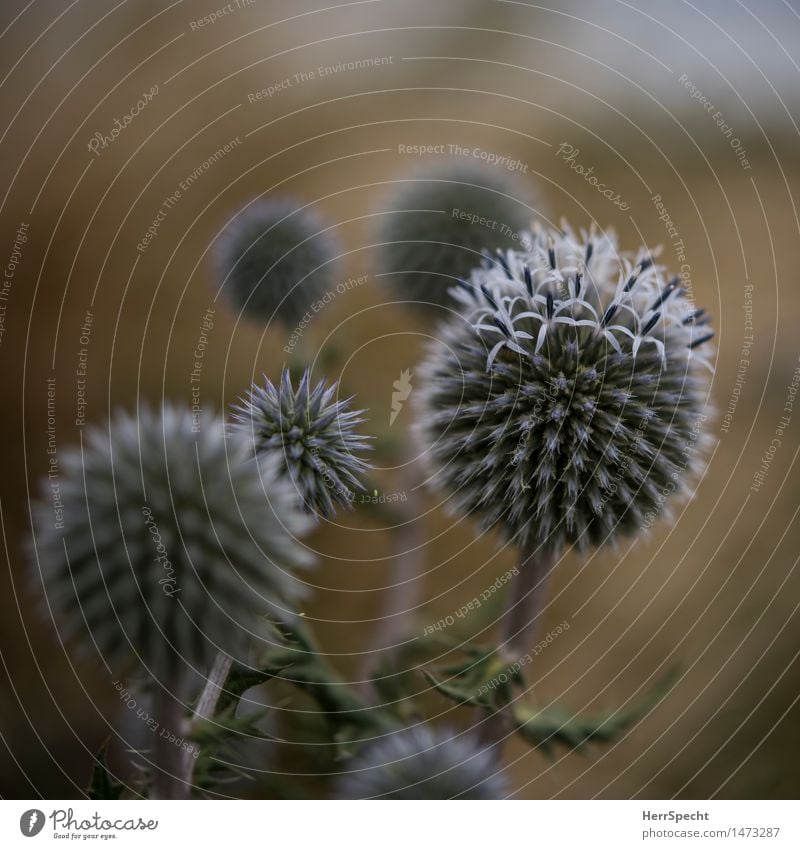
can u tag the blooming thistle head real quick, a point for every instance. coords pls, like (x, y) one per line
(274, 260)
(565, 404)
(172, 541)
(311, 434)
(421, 763)
(438, 222)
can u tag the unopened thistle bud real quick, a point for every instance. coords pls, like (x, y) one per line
(173, 542)
(274, 260)
(438, 222)
(421, 763)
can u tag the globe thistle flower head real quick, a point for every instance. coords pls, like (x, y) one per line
(439, 222)
(274, 260)
(421, 763)
(172, 542)
(312, 436)
(565, 404)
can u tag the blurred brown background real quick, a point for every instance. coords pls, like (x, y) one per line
(717, 593)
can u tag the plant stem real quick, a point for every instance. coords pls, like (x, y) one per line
(206, 705)
(213, 687)
(403, 590)
(525, 602)
(168, 781)
(172, 777)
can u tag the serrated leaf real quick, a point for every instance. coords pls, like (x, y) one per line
(227, 724)
(103, 785)
(242, 678)
(475, 680)
(460, 695)
(557, 724)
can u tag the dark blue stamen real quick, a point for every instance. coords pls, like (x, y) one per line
(609, 314)
(528, 281)
(549, 304)
(589, 252)
(504, 263)
(650, 324)
(668, 290)
(702, 340)
(694, 317)
(488, 297)
(501, 326)
(632, 279)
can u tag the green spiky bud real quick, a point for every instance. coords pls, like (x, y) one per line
(311, 434)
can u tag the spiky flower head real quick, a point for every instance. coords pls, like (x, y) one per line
(565, 404)
(438, 222)
(274, 260)
(421, 763)
(172, 542)
(311, 433)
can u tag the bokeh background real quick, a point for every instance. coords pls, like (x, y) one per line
(716, 592)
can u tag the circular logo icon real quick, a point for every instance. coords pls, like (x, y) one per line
(31, 822)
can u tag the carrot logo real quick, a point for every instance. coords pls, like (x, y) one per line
(402, 389)
(31, 822)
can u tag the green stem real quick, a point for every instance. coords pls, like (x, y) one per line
(206, 705)
(525, 602)
(168, 778)
(314, 674)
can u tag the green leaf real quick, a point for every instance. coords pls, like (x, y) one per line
(226, 724)
(103, 785)
(557, 724)
(242, 678)
(476, 681)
